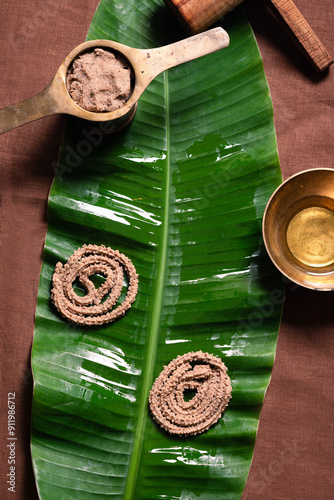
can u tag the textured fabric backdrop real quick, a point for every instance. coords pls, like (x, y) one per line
(293, 458)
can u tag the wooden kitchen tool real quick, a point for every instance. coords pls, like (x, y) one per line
(145, 63)
(198, 15)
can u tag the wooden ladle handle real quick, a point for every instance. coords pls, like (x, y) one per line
(168, 56)
(198, 15)
(307, 40)
(27, 111)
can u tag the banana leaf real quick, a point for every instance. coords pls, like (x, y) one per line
(181, 192)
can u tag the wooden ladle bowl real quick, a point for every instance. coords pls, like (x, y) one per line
(145, 65)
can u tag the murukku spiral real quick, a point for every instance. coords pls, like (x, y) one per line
(206, 376)
(97, 306)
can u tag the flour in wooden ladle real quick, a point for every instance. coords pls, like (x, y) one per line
(100, 81)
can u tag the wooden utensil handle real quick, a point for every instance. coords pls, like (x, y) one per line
(168, 56)
(27, 111)
(198, 15)
(308, 40)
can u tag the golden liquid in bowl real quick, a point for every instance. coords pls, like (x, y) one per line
(310, 236)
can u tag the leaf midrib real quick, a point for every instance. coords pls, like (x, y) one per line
(154, 330)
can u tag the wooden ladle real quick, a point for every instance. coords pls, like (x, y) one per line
(198, 15)
(146, 65)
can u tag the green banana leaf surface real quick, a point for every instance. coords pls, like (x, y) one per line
(181, 192)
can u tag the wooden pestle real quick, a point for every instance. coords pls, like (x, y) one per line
(198, 15)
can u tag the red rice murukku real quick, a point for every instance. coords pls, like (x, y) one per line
(200, 373)
(97, 306)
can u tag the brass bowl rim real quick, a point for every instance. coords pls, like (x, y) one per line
(328, 286)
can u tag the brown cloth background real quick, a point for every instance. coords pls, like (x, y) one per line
(293, 458)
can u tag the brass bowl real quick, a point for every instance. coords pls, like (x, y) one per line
(298, 228)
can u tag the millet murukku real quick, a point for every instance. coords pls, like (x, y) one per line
(202, 374)
(97, 306)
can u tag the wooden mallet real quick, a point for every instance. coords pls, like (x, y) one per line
(198, 15)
